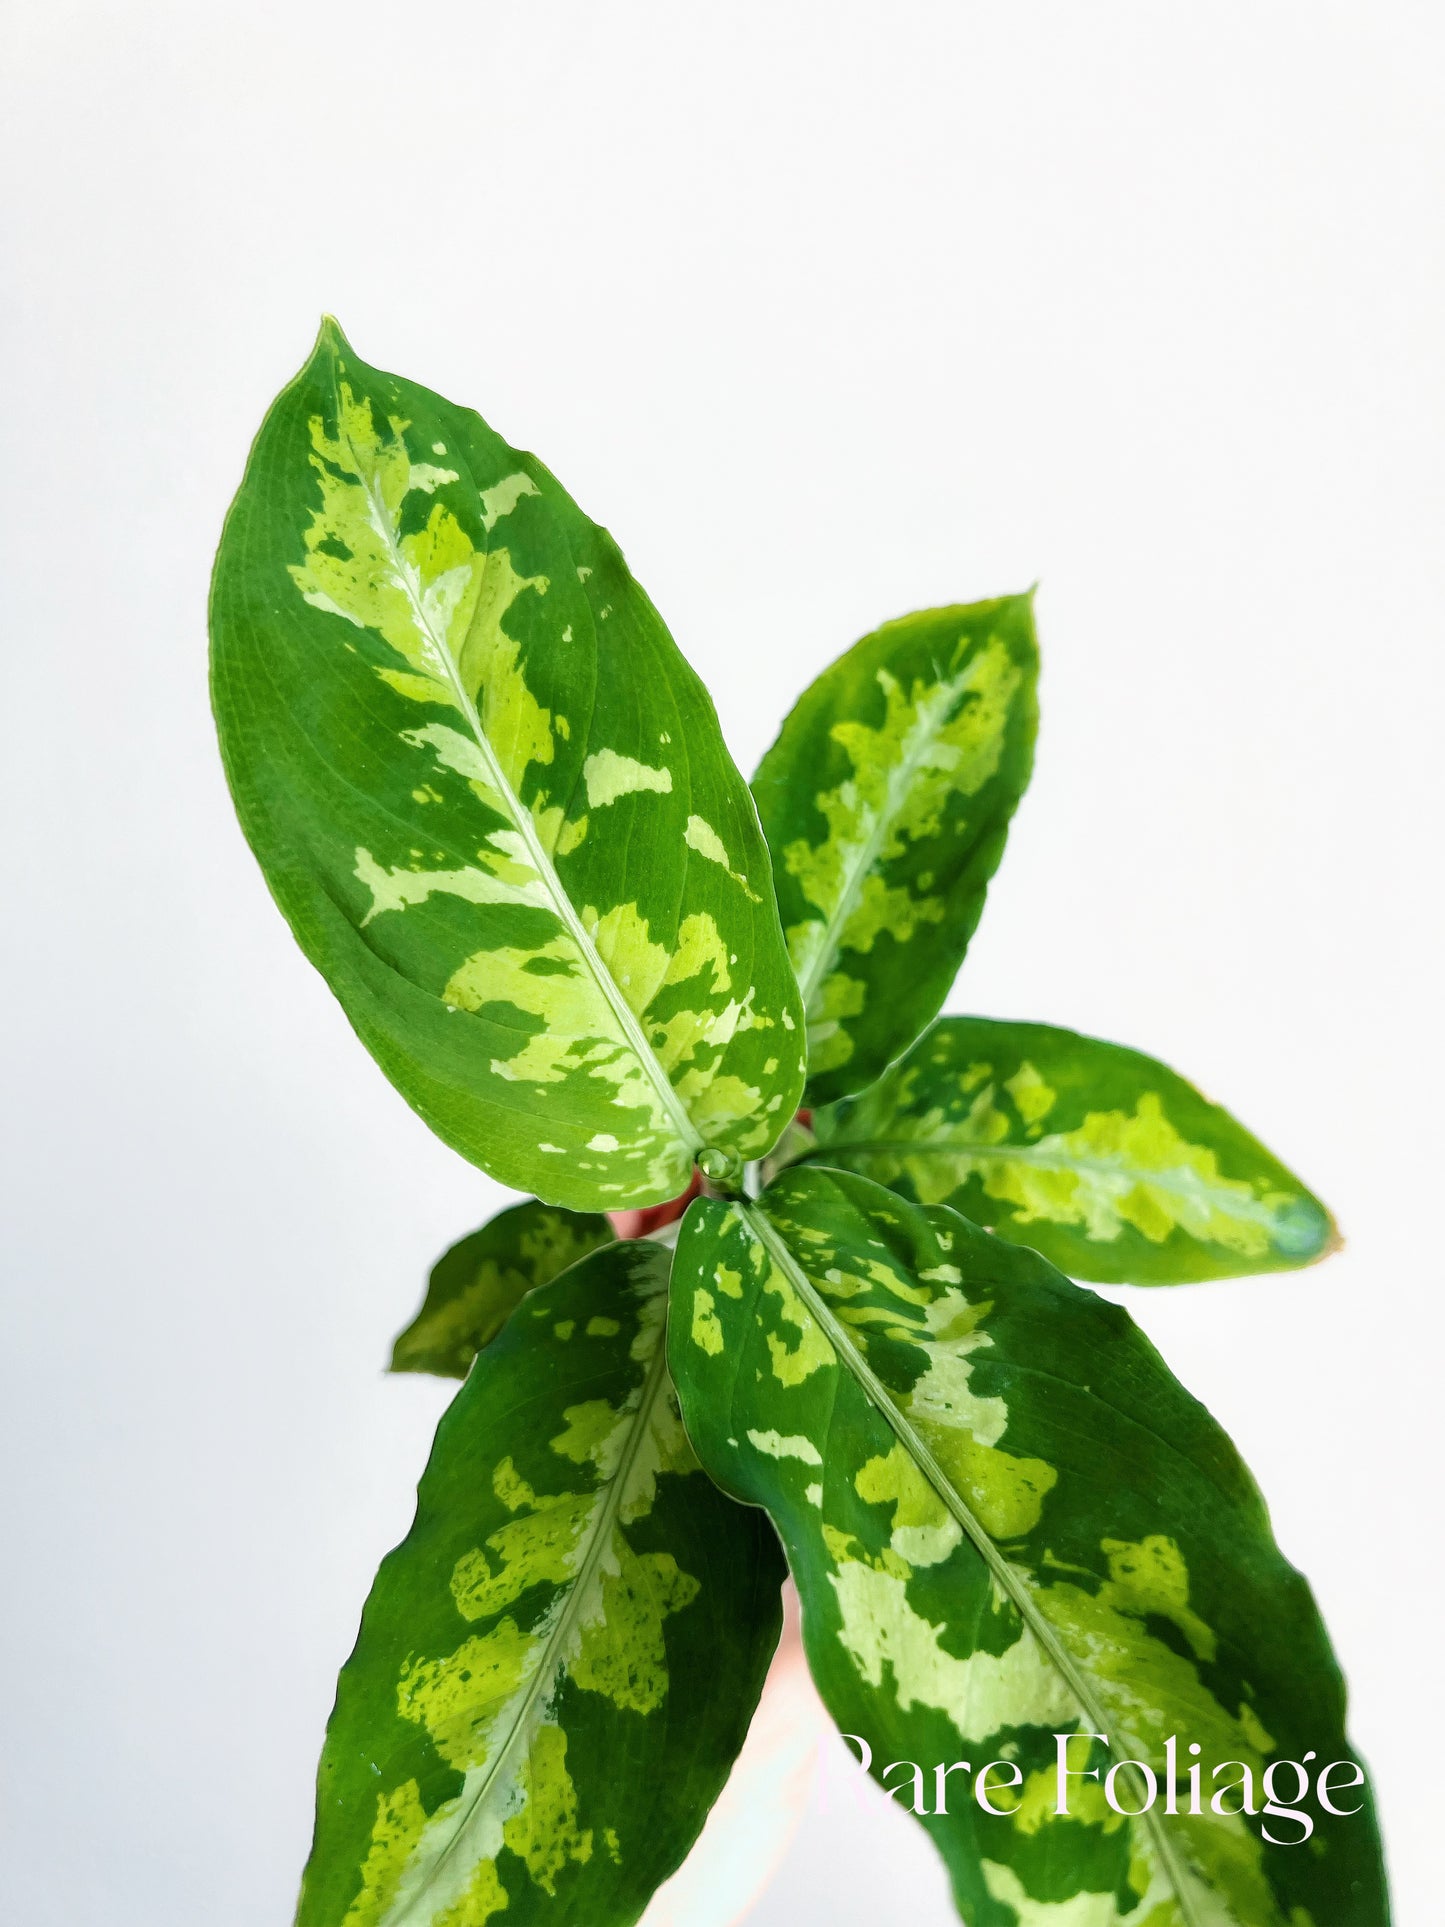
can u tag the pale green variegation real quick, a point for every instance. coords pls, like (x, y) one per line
(557, 1666)
(886, 801)
(1100, 1157)
(492, 799)
(1008, 1522)
(480, 1280)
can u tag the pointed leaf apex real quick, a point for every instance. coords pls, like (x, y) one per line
(329, 337)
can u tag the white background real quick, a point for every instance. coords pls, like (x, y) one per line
(829, 313)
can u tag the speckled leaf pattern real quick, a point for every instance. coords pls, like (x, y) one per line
(476, 1285)
(1100, 1157)
(557, 1666)
(493, 800)
(1007, 1522)
(886, 801)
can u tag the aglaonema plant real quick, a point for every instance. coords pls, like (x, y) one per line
(1039, 1588)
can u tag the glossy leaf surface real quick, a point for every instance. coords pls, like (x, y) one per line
(557, 1666)
(1103, 1159)
(493, 800)
(886, 801)
(476, 1285)
(1007, 1522)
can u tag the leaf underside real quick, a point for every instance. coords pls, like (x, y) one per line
(557, 1666)
(1008, 1521)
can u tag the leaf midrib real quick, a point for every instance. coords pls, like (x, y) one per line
(599, 1538)
(1175, 1182)
(1004, 1575)
(926, 730)
(563, 907)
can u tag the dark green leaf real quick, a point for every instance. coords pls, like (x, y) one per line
(557, 1666)
(1009, 1523)
(493, 800)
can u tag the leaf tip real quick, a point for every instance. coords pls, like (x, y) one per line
(330, 339)
(1306, 1233)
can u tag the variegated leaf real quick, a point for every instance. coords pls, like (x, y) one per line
(476, 1285)
(493, 800)
(1009, 1523)
(886, 801)
(1097, 1156)
(557, 1666)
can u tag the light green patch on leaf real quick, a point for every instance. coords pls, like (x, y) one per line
(1099, 1157)
(538, 1548)
(484, 1896)
(623, 1653)
(399, 1824)
(458, 1698)
(1006, 1492)
(1039, 1796)
(703, 838)
(795, 1447)
(1151, 1908)
(545, 1834)
(885, 802)
(797, 1349)
(595, 1431)
(924, 1530)
(1033, 1100)
(1151, 1578)
(608, 776)
(511, 1488)
(959, 1426)
(830, 1037)
(706, 1331)
(728, 1281)
(1145, 1174)
(982, 1694)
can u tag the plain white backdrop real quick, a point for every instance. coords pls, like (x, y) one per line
(829, 312)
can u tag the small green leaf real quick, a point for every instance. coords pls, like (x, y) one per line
(557, 1666)
(1009, 1523)
(493, 800)
(885, 802)
(1097, 1156)
(476, 1285)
